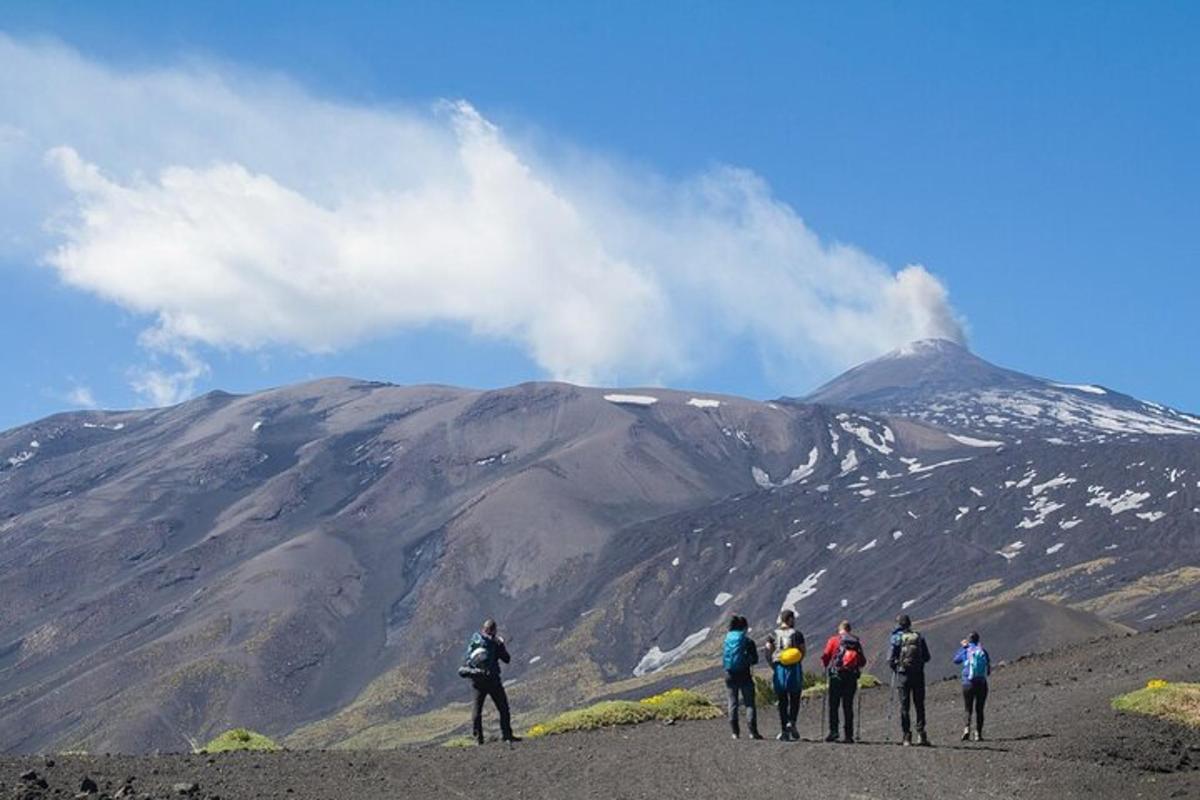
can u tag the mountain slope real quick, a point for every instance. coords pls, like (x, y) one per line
(307, 560)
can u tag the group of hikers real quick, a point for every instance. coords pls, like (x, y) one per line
(842, 661)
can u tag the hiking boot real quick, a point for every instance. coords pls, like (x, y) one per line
(795, 734)
(478, 740)
(978, 737)
(784, 736)
(511, 738)
(848, 740)
(922, 740)
(906, 740)
(735, 736)
(831, 737)
(755, 734)
(966, 733)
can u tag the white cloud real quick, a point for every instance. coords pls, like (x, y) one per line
(82, 397)
(240, 212)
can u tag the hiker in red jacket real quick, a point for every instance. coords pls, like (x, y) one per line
(844, 662)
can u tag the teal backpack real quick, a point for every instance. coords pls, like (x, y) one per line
(977, 663)
(736, 657)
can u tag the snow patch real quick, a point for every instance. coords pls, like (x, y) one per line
(1060, 480)
(1126, 501)
(907, 604)
(722, 598)
(704, 402)
(1151, 516)
(971, 441)
(868, 546)
(258, 423)
(850, 462)
(675, 561)
(1080, 387)
(535, 659)
(631, 399)
(806, 588)
(798, 474)
(1054, 548)
(656, 659)
(916, 467)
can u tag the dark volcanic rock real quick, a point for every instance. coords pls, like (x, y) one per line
(268, 560)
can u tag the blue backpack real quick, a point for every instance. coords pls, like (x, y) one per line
(977, 663)
(737, 659)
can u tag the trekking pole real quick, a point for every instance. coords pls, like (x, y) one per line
(824, 702)
(858, 721)
(891, 699)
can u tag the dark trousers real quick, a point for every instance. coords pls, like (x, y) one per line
(494, 689)
(974, 698)
(841, 697)
(912, 693)
(789, 709)
(742, 690)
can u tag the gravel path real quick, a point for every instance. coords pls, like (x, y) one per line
(1051, 734)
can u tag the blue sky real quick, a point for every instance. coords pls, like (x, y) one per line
(1037, 160)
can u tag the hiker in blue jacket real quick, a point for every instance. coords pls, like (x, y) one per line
(740, 654)
(787, 679)
(976, 667)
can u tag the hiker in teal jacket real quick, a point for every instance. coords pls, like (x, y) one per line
(787, 679)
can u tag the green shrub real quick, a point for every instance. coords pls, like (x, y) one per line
(459, 741)
(681, 704)
(764, 692)
(239, 739)
(675, 704)
(1177, 702)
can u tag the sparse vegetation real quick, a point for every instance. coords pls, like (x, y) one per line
(1177, 702)
(676, 704)
(240, 739)
(459, 741)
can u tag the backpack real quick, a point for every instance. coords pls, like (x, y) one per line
(909, 657)
(849, 656)
(788, 637)
(477, 661)
(736, 658)
(977, 663)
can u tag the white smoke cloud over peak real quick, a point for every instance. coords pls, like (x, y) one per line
(239, 212)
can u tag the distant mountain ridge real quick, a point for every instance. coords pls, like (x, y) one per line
(942, 383)
(306, 560)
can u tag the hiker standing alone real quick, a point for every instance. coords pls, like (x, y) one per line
(740, 654)
(788, 672)
(844, 662)
(976, 667)
(909, 655)
(482, 665)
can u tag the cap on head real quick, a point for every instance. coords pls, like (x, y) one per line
(787, 616)
(974, 637)
(844, 626)
(489, 627)
(738, 623)
(903, 622)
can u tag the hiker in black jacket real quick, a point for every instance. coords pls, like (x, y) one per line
(485, 652)
(908, 658)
